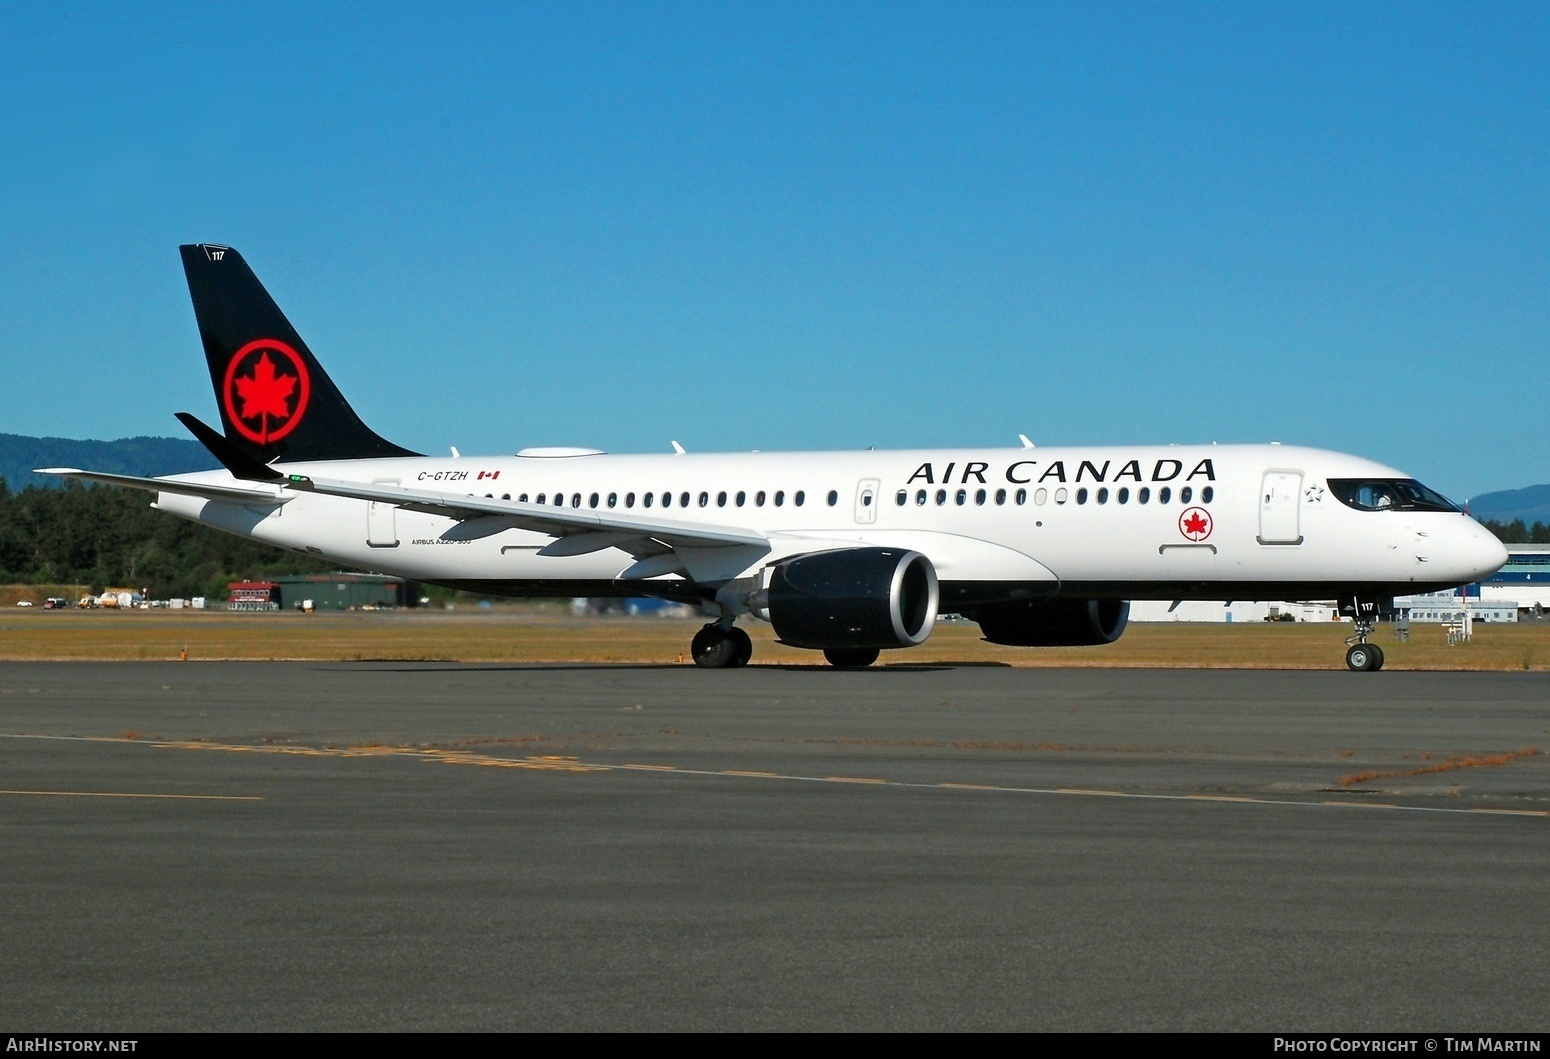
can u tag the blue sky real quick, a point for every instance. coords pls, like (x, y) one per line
(802, 226)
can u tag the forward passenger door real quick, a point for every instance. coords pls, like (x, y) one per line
(1280, 503)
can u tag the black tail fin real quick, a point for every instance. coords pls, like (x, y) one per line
(276, 401)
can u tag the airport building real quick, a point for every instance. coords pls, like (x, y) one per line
(1525, 580)
(1519, 590)
(1195, 610)
(340, 591)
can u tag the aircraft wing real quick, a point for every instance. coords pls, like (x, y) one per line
(579, 531)
(170, 485)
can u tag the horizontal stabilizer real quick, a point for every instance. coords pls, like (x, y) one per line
(239, 463)
(170, 485)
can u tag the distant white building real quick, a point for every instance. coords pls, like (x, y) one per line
(1447, 608)
(1521, 588)
(1525, 580)
(1237, 611)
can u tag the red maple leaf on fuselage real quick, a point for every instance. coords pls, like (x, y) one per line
(265, 393)
(1194, 524)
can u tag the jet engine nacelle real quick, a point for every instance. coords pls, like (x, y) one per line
(855, 597)
(1053, 622)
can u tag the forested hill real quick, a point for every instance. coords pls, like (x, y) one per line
(146, 457)
(1531, 504)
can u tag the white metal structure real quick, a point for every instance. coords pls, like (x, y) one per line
(847, 552)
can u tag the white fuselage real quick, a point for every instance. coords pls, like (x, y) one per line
(1258, 521)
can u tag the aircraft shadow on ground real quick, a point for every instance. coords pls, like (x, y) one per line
(388, 665)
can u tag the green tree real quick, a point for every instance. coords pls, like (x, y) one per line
(102, 536)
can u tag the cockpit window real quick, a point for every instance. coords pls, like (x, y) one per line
(1388, 494)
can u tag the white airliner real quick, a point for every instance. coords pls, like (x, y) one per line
(844, 552)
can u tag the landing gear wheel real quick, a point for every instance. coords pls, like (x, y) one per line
(1362, 657)
(714, 648)
(742, 647)
(851, 657)
(1377, 659)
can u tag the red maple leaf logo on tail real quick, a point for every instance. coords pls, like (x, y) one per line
(266, 392)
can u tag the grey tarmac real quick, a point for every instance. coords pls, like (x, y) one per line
(266, 846)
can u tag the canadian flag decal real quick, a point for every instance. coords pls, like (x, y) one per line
(492, 475)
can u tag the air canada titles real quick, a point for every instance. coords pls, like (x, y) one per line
(1022, 472)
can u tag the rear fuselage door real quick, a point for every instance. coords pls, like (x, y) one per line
(1280, 503)
(866, 501)
(381, 520)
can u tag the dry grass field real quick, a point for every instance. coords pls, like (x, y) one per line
(548, 633)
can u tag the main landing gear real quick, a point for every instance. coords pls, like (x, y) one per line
(1361, 656)
(721, 645)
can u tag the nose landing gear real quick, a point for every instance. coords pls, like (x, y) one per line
(721, 645)
(1361, 656)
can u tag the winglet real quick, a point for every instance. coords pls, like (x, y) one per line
(239, 463)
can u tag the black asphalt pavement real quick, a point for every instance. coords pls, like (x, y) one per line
(420, 846)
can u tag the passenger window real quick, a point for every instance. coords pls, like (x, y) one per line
(721, 499)
(575, 499)
(646, 499)
(1039, 496)
(505, 496)
(683, 499)
(1103, 495)
(704, 499)
(1143, 495)
(667, 499)
(541, 498)
(1185, 494)
(1163, 494)
(800, 498)
(1206, 494)
(758, 498)
(1022, 496)
(741, 497)
(1081, 495)
(523, 499)
(920, 497)
(834, 498)
(1060, 495)
(629, 499)
(979, 496)
(1000, 496)
(592, 500)
(962, 495)
(903, 497)
(941, 497)
(780, 497)
(1123, 496)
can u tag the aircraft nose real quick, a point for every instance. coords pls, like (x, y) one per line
(1483, 553)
